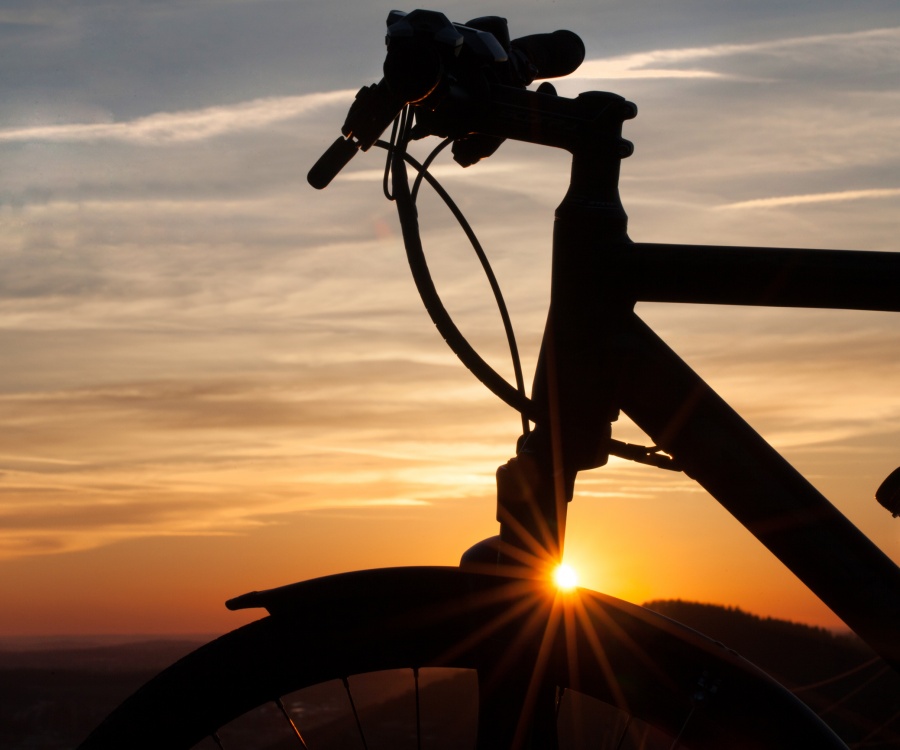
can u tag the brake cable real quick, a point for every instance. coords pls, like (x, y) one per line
(405, 198)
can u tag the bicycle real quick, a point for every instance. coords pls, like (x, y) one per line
(537, 654)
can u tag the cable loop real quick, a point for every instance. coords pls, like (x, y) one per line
(405, 197)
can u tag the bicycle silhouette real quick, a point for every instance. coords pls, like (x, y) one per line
(535, 651)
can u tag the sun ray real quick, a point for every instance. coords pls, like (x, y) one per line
(620, 636)
(536, 683)
(521, 599)
(599, 652)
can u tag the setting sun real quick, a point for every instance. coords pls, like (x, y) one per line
(565, 577)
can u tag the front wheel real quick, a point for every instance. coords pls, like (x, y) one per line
(531, 663)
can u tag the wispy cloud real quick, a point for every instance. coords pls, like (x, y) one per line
(170, 473)
(186, 126)
(31, 15)
(643, 65)
(668, 63)
(210, 122)
(798, 200)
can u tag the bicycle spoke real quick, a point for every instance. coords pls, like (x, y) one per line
(624, 732)
(680, 734)
(418, 712)
(362, 735)
(290, 721)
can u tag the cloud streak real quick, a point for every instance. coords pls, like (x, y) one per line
(210, 122)
(665, 63)
(801, 200)
(184, 127)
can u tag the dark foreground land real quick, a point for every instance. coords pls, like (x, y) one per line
(50, 698)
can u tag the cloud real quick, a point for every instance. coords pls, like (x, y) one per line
(643, 65)
(186, 126)
(668, 63)
(37, 14)
(95, 464)
(800, 200)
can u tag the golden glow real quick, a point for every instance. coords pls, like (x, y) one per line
(225, 424)
(565, 577)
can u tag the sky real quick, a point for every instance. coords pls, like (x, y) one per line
(217, 379)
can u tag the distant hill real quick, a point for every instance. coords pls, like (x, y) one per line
(51, 698)
(139, 655)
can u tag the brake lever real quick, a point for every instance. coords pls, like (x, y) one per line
(373, 110)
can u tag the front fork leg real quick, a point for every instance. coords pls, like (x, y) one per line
(517, 706)
(514, 715)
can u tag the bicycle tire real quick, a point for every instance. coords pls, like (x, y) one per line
(330, 628)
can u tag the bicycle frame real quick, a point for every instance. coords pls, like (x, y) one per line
(598, 358)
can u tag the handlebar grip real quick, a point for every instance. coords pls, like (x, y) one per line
(331, 162)
(553, 55)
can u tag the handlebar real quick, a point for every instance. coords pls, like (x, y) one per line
(429, 60)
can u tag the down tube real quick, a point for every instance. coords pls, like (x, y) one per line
(718, 449)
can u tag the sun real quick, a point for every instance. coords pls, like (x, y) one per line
(565, 577)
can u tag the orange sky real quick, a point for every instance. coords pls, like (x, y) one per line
(219, 380)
